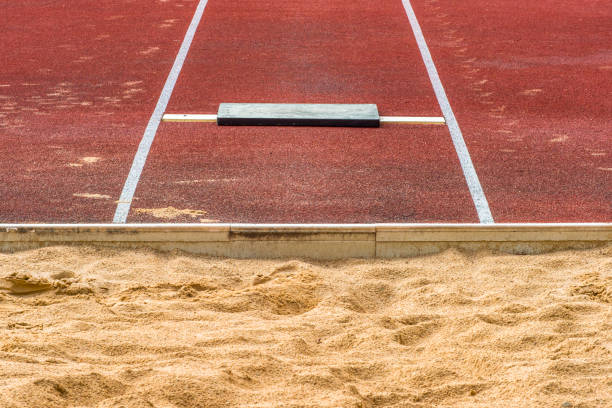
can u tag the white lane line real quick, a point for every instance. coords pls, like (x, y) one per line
(478, 196)
(125, 201)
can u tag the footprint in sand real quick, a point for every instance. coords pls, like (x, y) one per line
(594, 287)
(23, 285)
(412, 334)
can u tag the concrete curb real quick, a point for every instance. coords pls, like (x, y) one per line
(315, 241)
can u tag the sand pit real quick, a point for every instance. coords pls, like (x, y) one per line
(92, 327)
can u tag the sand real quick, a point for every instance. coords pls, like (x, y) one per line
(170, 213)
(95, 327)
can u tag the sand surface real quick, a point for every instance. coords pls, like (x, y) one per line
(91, 327)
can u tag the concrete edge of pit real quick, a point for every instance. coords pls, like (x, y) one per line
(312, 241)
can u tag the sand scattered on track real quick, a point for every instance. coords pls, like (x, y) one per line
(90, 160)
(187, 181)
(169, 212)
(91, 195)
(559, 139)
(96, 327)
(531, 92)
(149, 50)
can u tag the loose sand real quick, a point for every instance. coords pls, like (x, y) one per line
(90, 327)
(171, 213)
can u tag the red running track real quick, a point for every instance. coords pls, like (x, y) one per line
(256, 174)
(529, 83)
(310, 52)
(78, 83)
(295, 51)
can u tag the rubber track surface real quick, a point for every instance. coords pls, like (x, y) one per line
(78, 83)
(310, 52)
(530, 86)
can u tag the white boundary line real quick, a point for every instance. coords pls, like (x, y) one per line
(478, 196)
(127, 194)
(417, 120)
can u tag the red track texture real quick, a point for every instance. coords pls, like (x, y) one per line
(295, 51)
(289, 175)
(529, 83)
(78, 80)
(310, 52)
